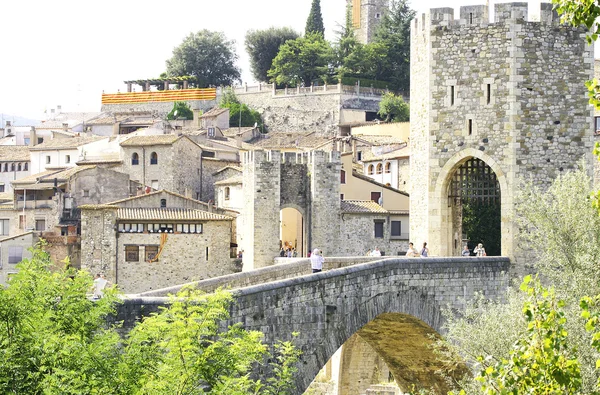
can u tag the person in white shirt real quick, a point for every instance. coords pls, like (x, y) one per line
(412, 251)
(376, 252)
(316, 260)
(99, 284)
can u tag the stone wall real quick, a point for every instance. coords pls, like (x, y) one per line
(102, 185)
(183, 259)
(327, 308)
(509, 93)
(307, 112)
(98, 242)
(24, 242)
(209, 167)
(177, 170)
(358, 235)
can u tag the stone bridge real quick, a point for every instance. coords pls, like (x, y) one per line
(395, 304)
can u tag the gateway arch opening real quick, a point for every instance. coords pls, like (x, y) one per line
(474, 199)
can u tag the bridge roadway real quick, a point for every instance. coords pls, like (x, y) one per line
(394, 303)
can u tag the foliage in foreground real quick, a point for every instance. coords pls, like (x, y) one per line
(561, 233)
(54, 340)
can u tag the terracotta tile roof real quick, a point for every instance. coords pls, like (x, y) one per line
(231, 143)
(399, 212)
(362, 207)
(280, 140)
(108, 158)
(236, 168)
(216, 111)
(65, 143)
(16, 236)
(14, 153)
(168, 214)
(161, 139)
(236, 131)
(372, 181)
(230, 181)
(33, 181)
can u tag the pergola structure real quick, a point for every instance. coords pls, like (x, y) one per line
(162, 83)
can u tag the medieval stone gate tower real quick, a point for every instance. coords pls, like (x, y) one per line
(508, 95)
(307, 182)
(366, 16)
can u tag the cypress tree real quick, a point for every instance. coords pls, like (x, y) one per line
(314, 23)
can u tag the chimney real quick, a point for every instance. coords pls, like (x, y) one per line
(32, 137)
(65, 126)
(196, 121)
(8, 129)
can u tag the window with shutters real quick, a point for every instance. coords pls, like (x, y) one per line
(132, 253)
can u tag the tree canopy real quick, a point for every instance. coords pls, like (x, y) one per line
(393, 108)
(240, 114)
(208, 56)
(263, 46)
(302, 61)
(314, 22)
(55, 340)
(180, 110)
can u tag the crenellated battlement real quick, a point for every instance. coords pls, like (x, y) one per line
(274, 156)
(478, 15)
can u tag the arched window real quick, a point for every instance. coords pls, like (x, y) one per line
(135, 159)
(26, 166)
(388, 167)
(379, 168)
(6, 167)
(12, 167)
(370, 170)
(19, 167)
(154, 158)
(227, 193)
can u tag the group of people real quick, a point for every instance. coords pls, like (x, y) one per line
(413, 252)
(375, 252)
(478, 251)
(288, 251)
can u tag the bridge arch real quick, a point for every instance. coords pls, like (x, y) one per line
(441, 212)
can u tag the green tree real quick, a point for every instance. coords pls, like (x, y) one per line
(394, 34)
(180, 110)
(208, 56)
(314, 22)
(540, 361)
(240, 114)
(54, 340)
(559, 234)
(302, 61)
(263, 46)
(393, 108)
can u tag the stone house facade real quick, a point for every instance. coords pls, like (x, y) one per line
(391, 168)
(14, 164)
(167, 161)
(365, 225)
(509, 94)
(58, 153)
(12, 251)
(366, 16)
(156, 240)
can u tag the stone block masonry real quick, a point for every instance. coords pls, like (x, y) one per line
(327, 308)
(510, 93)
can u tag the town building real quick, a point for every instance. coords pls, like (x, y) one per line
(14, 164)
(167, 161)
(366, 15)
(12, 251)
(157, 240)
(59, 153)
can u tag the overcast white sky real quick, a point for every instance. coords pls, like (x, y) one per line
(68, 51)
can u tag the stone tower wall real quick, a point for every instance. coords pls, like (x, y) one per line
(519, 104)
(325, 214)
(371, 14)
(261, 190)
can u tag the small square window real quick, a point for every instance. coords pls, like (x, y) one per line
(151, 252)
(40, 225)
(86, 193)
(396, 228)
(132, 253)
(15, 254)
(379, 229)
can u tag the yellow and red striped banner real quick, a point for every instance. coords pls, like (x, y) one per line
(160, 96)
